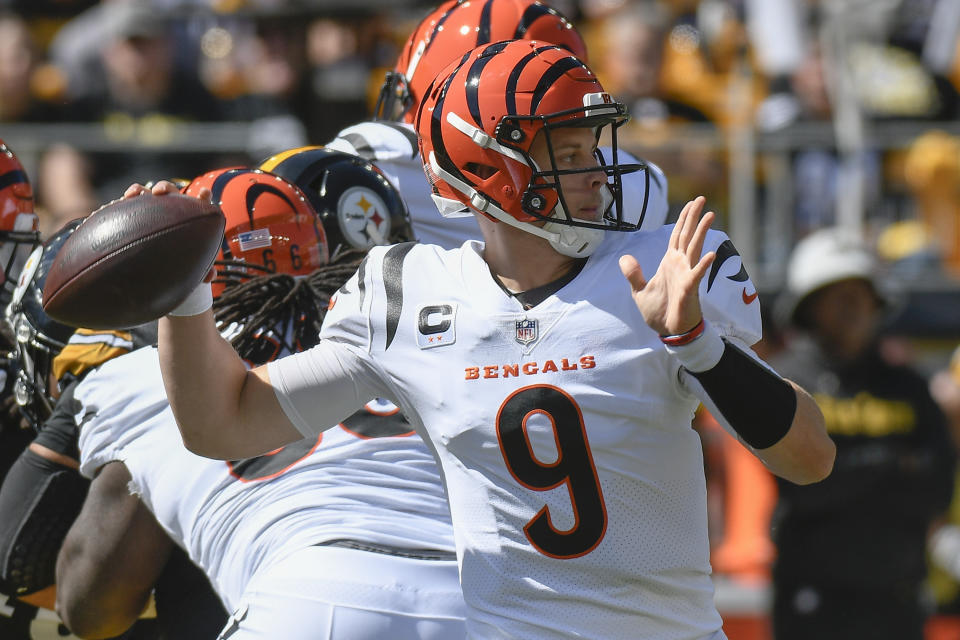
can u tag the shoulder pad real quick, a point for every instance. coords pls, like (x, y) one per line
(88, 348)
(377, 141)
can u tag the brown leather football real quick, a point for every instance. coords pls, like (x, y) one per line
(132, 261)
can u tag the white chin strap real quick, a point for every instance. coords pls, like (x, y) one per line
(575, 242)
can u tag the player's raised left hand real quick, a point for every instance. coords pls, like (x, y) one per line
(669, 301)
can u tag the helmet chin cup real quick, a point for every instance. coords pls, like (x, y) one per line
(573, 242)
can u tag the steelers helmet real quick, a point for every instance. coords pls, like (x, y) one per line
(357, 203)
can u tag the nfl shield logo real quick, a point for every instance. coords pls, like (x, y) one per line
(526, 331)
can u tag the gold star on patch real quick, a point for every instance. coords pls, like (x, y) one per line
(364, 204)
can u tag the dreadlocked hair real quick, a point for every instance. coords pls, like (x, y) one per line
(278, 301)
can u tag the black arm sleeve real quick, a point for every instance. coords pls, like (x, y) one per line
(754, 400)
(39, 501)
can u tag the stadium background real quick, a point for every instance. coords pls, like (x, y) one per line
(788, 115)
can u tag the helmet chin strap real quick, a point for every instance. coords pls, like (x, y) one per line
(577, 242)
(574, 242)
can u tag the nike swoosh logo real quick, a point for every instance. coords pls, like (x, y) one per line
(747, 299)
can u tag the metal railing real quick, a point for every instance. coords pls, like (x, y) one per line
(741, 148)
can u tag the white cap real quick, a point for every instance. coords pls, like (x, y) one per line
(824, 257)
(827, 256)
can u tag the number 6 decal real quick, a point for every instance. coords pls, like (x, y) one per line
(574, 467)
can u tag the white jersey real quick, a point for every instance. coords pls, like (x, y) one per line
(368, 480)
(392, 146)
(575, 480)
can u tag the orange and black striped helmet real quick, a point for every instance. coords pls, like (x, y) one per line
(477, 123)
(18, 223)
(271, 226)
(456, 27)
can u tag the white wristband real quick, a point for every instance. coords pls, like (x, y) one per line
(703, 353)
(199, 300)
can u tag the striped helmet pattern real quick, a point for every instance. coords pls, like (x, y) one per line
(271, 226)
(459, 26)
(19, 225)
(485, 111)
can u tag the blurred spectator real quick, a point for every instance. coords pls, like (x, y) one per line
(820, 172)
(851, 558)
(256, 67)
(134, 83)
(945, 542)
(65, 187)
(945, 388)
(630, 44)
(29, 90)
(931, 240)
(633, 48)
(342, 54)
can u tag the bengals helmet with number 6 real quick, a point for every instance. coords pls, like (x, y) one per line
(455, 28)
(271, 226)
(477, 125)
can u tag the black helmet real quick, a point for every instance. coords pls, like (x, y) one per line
(39, 337)
(358, 205)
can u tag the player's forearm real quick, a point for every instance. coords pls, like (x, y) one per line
(806, 453)
(203, 377)
(223, 410)
(110, 559)
(777, 419)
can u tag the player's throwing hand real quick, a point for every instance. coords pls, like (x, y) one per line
(669, 301)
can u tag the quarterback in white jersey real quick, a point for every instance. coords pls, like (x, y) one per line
(261, 528)
(557, 397)
(553, 449)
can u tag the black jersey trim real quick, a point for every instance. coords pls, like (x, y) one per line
(361, 284)
(393, 286)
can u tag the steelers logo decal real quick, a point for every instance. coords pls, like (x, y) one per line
(364, 218)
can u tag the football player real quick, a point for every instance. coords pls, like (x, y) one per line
(18, 236)
(444, 35)
(557, 396)
(43, 492)
(342, 535)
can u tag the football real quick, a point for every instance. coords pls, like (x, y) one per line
(133, 261)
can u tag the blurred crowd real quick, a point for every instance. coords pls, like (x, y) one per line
(850, 108)
(812, 84)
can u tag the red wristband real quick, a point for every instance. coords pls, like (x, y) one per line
(684, 338)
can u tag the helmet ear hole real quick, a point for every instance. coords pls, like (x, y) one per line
(479, 170)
